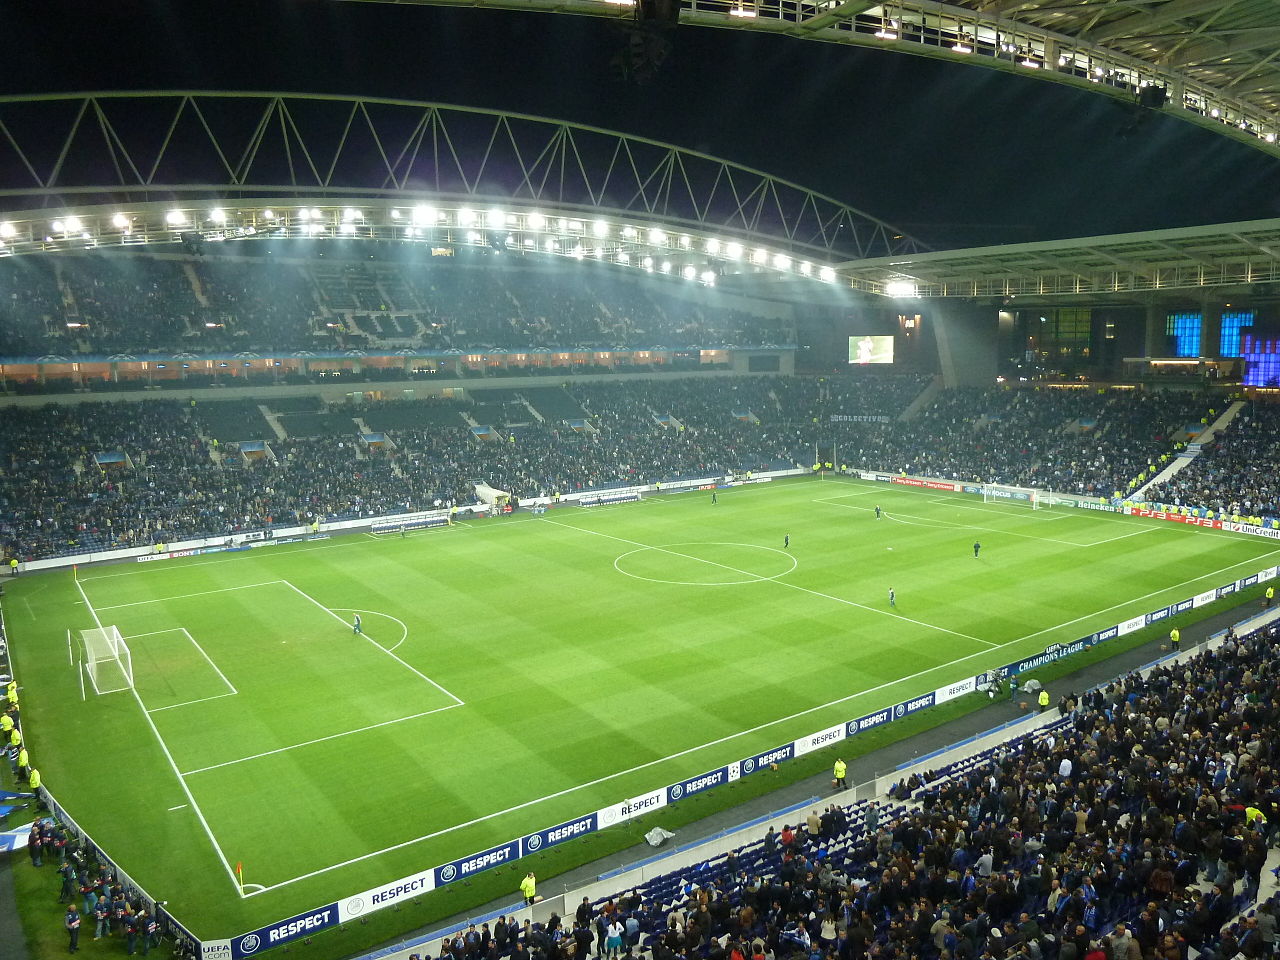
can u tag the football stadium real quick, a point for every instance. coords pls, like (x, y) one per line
(527, 511)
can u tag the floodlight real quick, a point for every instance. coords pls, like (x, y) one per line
(304, 214)
(58, 226)
(466, 217)
(395, 214)
(733, 250)
(8, 230)
(657, 237)
(578, 252)
(629, 233)
(348, 228)
(666, 266)
(647, 263)
(962, 48)
(495, 218)
(1214, 112)
(268, 214)
(577, 226)
(1270, 138)
(550, 244)
(351, 216)
(74, 225)
(685, 241)
(599, 229)
(709, 277)
(218, 215)
(175, 218)
(781, 261)
(806, 268)
(713, 247)
(624, 257)
(314, 228)
(564, 225)
(900, 288)
(759, 255)
(409, 231)
(537, 221)
(689, 272)
(316, 214)
(423, 215)
(528, 241)
(473, 236)
(826, 274)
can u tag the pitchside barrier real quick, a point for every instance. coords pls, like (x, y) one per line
(389, 894)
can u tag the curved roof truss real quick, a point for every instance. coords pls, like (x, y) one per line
(1217, 61)
(66, 152)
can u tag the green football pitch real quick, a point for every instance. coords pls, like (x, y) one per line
(519, 672)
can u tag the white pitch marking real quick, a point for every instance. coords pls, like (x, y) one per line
(172, 763)
(181, 806)
(457, 700)
(184, 596)
(187, 703)
(793, 586)
(404, 631)
(733, 736)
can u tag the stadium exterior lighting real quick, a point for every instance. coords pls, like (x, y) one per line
(528, 241)
(806, 268)
(314, 228)
(495, 218)
(733, 250)
(268, 214)
(599, 229)
(550, 245)
(657, 237)
(563, 225)
(742, 12)
(759, 255)
(827, 275)
(466, 217)
(709, 277)
(666, 266)
(781, 261)
(218, 215)
(686, 241)
(629, 233)
(899, 288)
(1029, 63)
(74, 225)
(175, 218)
(713, 247)
(8, 230)
(423, 215)
(58, 226)
(351, 215)
(537, 221)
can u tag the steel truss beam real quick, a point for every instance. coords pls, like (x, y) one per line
(59, 150)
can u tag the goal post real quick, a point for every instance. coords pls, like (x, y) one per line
(107, 660)
(1019, 496)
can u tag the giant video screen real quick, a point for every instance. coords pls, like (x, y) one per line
(871, 349)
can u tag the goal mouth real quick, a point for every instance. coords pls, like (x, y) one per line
(1017, 496)
(107, 660)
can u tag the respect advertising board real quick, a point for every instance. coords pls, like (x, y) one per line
(286, 931)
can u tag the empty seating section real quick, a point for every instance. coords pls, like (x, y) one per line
(289, 297)
(305, 425)
(553, 403)
(232, 421)
(412, 414)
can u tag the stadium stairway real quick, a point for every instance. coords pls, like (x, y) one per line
(1191, 451)
(274, 421)
(923, 400)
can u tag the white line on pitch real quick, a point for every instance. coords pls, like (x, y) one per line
(172, 763)
(456, 700)
(230, 686)
(938, 523)
(181, 806)
(187, 703)
(307, 743)
(184, 596)
(734, 736)
(793, 586)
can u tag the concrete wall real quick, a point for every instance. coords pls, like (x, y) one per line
(966, 333)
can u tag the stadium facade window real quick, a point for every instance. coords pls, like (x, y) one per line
(1233, 321)
(1184, 328)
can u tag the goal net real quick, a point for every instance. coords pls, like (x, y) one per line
(1019, 496)
(107, 660)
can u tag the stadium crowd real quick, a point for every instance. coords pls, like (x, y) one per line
(1134, 828)
(173, 482)
(291, 300)
(1236, 473)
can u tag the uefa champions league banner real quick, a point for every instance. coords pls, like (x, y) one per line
(286, 931)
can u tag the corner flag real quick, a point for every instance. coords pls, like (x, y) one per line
(240, 875)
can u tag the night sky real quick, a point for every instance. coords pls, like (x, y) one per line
(957, 155)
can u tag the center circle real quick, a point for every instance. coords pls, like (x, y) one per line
(706, 563)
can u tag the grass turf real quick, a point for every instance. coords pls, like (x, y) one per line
(598, 654)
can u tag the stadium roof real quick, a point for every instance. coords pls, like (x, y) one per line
(1179, 260)
(1218, 61)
